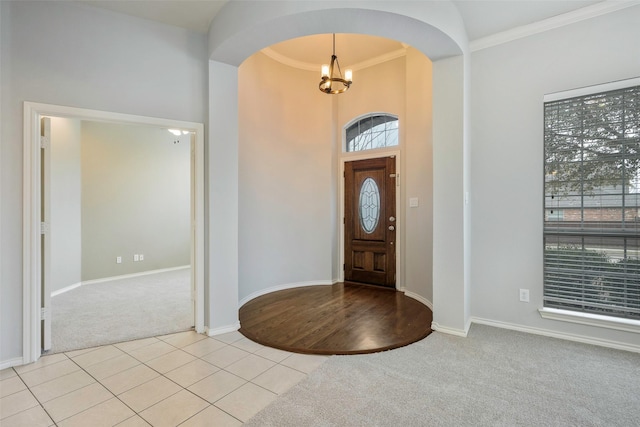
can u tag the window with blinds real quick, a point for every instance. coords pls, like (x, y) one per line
(371, 132)
(592, 203)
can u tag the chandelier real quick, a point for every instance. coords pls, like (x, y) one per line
(332, 81)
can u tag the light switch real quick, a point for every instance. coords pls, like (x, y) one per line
(413, 202)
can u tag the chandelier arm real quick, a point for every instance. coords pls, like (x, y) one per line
(339, 70)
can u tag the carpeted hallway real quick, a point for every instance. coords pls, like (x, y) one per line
(122, 310)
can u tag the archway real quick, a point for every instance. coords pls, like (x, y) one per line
(436, 30)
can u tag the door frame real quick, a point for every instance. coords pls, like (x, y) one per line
(400, 226)
(32, 190)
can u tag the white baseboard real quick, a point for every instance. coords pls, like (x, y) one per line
(16, 361)
(419, 298)
(553, 334)
(66, 289)
(257, 294)
(450, 331)
(222, 330)
(109, 279)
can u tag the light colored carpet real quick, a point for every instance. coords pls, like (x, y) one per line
(494, 377)
(121, 310)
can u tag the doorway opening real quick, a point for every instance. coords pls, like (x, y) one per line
(99, 269)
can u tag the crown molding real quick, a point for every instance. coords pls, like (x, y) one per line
(307, 66)
(289, 61)
(551, 23)
(399, 53)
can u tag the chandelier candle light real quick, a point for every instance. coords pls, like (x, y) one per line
(332, 82)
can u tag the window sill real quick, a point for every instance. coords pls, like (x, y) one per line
(609, 322)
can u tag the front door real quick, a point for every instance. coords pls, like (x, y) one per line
(370, 221)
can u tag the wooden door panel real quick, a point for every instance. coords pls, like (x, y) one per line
(369, 256)
(369, 261)
(370, 221)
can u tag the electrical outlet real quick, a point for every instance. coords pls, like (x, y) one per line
(524, 295)
(136, 258)
(118, 260)
(141, 257)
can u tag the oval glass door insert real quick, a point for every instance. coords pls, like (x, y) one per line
(369, 205)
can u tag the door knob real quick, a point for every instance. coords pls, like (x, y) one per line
(392, 218)
(391, 227)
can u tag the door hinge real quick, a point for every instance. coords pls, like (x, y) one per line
(344, 267)
(44, 228)
(44, 142)
(44, 313)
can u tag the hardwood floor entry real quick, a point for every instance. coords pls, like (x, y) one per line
(337, 319)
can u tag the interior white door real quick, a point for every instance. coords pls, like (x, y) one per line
(192, 166)
(45, 226)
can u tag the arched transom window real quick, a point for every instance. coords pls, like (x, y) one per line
(371, 132)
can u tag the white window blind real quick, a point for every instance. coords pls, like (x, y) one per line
(592, 203)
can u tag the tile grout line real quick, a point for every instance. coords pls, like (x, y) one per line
(232, 344)
(81, 368)
(34, 396)
(209, 405)
(169, 379)
(124, 403)
(96, 382)
(117, 396)
(222, 369)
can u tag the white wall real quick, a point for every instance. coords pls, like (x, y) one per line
(285, 194)
(115, 187)
(66, 203)
(67, 54)
(380, 88)
(221, 270)
(508, 84)
(418, 181)
(406, 92)
(450, 236)
(287, 188)
(136, 199)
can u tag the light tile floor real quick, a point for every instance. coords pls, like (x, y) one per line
(184, 379)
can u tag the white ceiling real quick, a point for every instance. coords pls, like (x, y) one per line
(482, 18)
(193, 15)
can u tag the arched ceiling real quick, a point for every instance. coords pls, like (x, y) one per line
(482, 18)
(353, 50)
